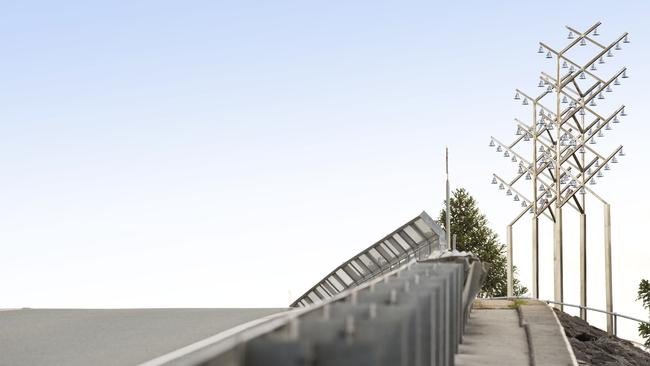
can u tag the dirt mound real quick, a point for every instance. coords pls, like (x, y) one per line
(592, 346)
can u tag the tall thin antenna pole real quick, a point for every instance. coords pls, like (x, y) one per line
(448, 213)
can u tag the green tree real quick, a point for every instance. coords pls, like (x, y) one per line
(474, 235)
(644, 296)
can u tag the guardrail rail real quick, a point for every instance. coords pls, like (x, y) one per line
(412, 311)
(614, 314)
(413, 315)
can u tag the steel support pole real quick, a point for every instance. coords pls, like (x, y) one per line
(609, 306)
(583, 238)
(583, 266)
(557, 259)
(447, 203)
(509, 262)
(557, 253)
(535, 257)
(534, 203)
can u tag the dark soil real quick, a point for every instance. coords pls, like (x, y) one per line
(592, 346)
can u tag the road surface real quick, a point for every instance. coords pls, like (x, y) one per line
(108, 337)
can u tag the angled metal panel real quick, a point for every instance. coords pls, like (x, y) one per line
(349, 270)
(396, 251)
(395, 245)
(388, 255)
(440, 234)
(399, 242)
(407, 238)
(414, 238)
(360, 267)
(326, 284)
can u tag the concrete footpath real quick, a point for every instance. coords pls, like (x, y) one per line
(509, 333)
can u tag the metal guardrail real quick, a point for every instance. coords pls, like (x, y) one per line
(412, 316)
(418, 238)
(614, 314)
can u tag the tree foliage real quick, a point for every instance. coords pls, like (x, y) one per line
(474, 235)
(644, 296)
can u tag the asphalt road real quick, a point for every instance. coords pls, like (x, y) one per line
(108, 337)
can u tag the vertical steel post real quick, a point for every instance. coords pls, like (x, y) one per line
(557, 260)
(453, 242)
(534, 203)
(583, 266)
(558, 289)
(509, 262)
(583, 237)
(448, 213)
(536, 257)
(609, 306)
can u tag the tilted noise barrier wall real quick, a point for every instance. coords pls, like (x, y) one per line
(415, 239)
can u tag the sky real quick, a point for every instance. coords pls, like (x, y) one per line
(232, 153)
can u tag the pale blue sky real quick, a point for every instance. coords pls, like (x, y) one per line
(214, 154)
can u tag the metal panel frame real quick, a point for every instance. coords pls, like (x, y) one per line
(396, 256)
